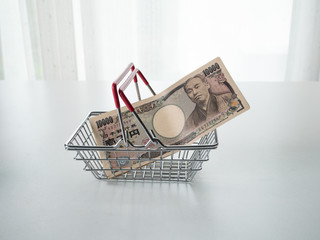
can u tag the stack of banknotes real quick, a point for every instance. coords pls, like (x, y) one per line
(180, 115)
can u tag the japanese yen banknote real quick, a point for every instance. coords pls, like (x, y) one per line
(179, 115)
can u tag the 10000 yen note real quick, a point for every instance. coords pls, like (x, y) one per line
(180, 115)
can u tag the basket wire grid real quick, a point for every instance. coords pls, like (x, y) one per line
(180, 164)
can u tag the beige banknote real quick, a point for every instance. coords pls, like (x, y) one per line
(180, 115)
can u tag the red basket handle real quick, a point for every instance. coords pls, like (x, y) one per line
(126, 84)
(118, 80)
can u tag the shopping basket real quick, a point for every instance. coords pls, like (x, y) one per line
(172, 162)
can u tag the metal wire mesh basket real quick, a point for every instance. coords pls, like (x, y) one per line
(180, 164)
(152, 162)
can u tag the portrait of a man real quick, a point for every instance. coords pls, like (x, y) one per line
(208, 105)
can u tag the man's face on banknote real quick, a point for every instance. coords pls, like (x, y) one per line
(197, 90)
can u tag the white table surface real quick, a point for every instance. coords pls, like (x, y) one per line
(263, 181)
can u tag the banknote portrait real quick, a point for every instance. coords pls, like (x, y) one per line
(207, 104)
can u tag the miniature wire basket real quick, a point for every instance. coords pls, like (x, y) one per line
(181, 165)
(156, 163)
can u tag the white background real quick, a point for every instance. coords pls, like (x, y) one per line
(95, 40)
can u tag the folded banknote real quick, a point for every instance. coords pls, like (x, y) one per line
(184, 112)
